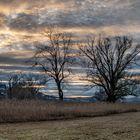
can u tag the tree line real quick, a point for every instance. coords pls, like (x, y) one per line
(107, 62)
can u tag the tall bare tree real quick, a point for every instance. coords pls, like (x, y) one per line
(108, 64)
(54, 57)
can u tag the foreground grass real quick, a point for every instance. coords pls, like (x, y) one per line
(116, 127)
(23, 111)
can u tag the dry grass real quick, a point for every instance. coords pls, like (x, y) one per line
(23, 111)
(115, 127)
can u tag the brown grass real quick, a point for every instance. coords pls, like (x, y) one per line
(125, 126)
(23, 111)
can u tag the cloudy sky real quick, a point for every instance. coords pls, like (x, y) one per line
(23, 21)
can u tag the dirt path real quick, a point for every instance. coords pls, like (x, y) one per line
(116, 127)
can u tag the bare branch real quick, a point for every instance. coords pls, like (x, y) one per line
(108, 62)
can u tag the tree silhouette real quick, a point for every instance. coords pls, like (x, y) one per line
(54, 57)
(108, 64)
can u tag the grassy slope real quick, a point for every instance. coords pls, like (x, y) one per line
(116, 127)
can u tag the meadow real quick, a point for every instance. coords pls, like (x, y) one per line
(114, 127)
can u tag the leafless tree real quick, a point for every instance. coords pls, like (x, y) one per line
(13, 81)
(108, 63)
(33, 83)
(24, 86)
(54, 57)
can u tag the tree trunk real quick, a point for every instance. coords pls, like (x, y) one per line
(111, 99)
(60, 91)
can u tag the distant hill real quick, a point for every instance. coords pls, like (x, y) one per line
(132, 99)
(41, 96)
(128, 99)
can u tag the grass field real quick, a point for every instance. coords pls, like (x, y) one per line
(115, 127)
(26, 111)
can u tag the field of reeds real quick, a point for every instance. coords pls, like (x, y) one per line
(23, 111)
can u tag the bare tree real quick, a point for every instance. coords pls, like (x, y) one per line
(108, 65)
(54, 57)
(13, 81)
(24, 86)
(33, 83)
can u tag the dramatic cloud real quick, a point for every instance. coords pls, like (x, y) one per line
(2, 20)
(38, 14)
(23, 21)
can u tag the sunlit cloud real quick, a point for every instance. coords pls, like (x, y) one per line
(22, 23)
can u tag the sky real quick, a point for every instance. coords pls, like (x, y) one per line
(22, 23)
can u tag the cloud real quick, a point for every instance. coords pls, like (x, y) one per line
(13, 62)
(33, 16)
(91, 13)
(23, 21)
(2, 20)
(15, 57)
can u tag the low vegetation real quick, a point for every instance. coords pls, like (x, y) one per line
(115, 127)
(25, 110)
